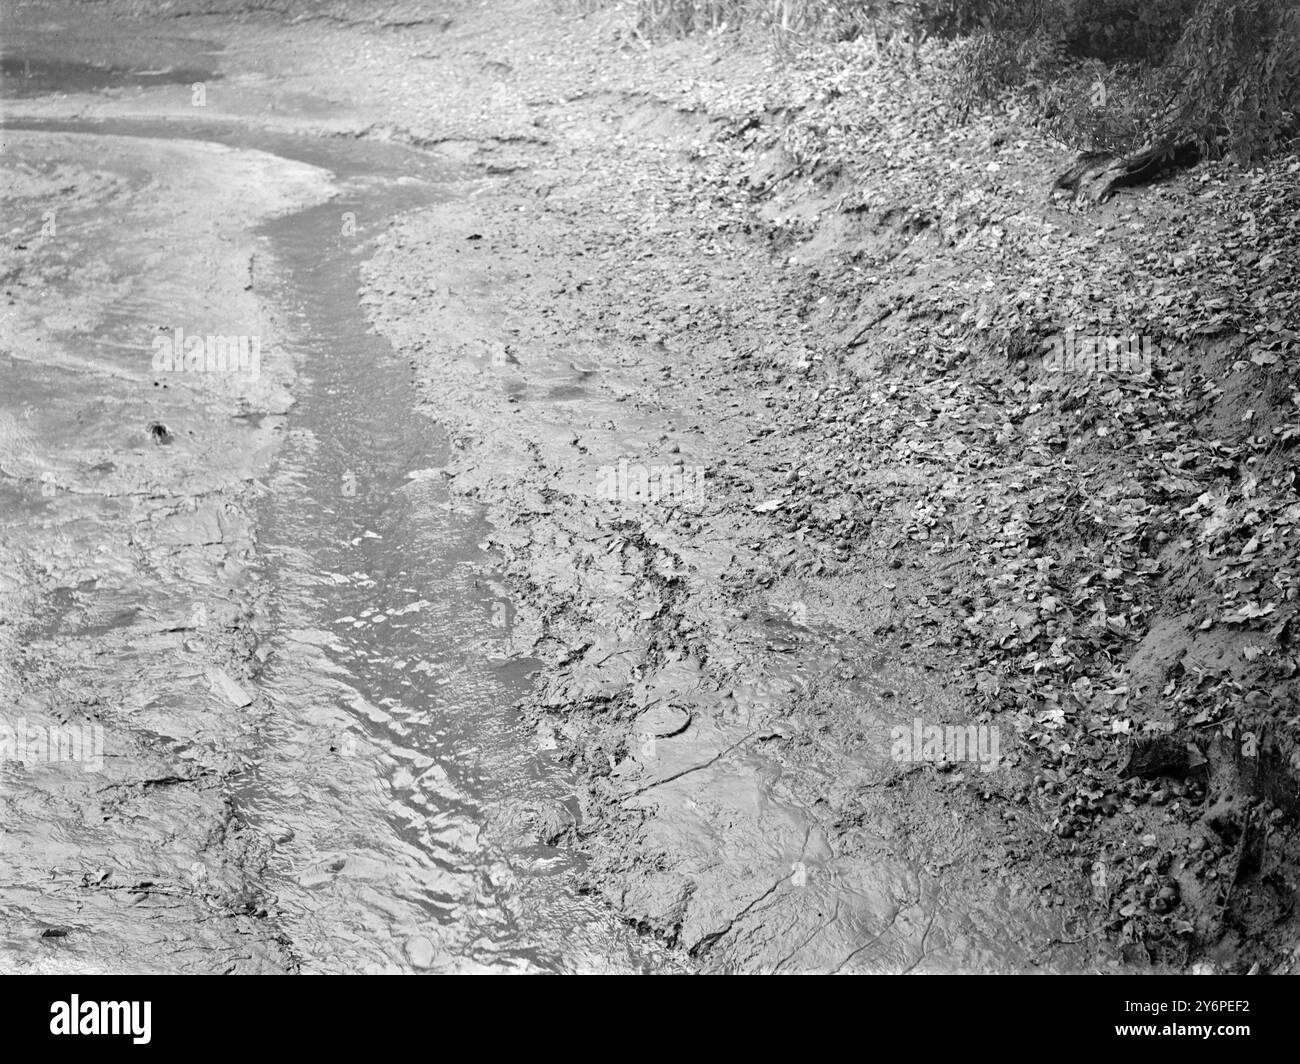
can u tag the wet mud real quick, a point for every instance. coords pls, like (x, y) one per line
(256, 587)
(128, 582)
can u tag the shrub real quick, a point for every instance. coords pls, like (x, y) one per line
(1223, 74)
(1110, 75)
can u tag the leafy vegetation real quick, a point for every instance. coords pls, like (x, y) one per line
(1102, 75)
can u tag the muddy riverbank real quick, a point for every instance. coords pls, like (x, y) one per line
(871, 516)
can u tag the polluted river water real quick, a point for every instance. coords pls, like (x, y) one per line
(282, 546)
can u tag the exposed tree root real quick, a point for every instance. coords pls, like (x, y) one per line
(1096, 175)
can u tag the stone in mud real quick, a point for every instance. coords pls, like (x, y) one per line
(222, 684)
(419, 951)
(663, 721)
